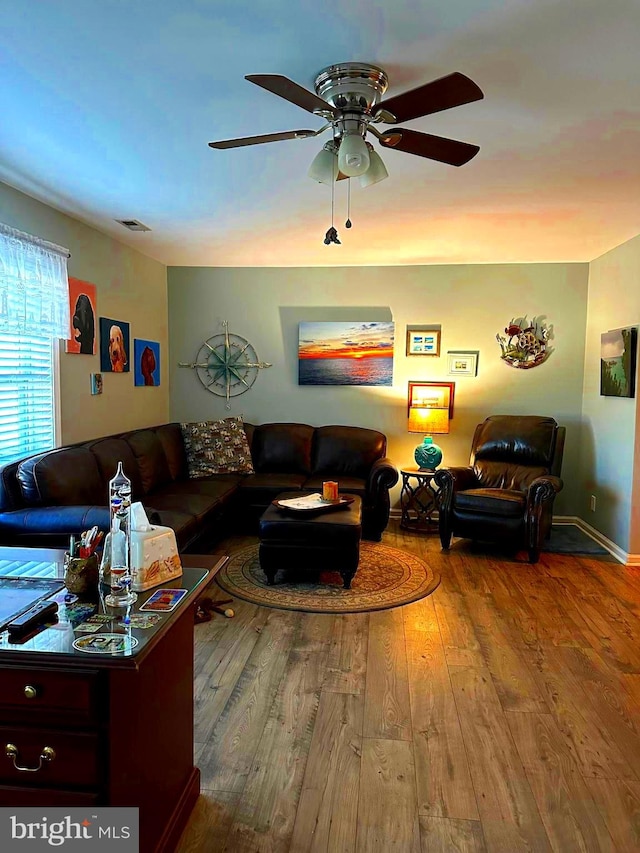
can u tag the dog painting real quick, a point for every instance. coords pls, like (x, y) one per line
(82, 317)
(146, 362)
(114, 346)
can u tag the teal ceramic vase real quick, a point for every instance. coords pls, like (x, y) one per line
(428, 455)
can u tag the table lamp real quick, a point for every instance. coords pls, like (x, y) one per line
(429, 415)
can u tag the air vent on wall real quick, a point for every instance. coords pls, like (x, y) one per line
(133, 225)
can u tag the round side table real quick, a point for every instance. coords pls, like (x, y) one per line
(418, 499)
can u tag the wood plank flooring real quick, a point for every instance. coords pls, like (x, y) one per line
(500, 714)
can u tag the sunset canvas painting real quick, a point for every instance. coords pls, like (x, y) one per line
(345, 353)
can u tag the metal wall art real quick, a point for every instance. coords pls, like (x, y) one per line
(526, 343)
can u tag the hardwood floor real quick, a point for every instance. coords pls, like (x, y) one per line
(498, 715)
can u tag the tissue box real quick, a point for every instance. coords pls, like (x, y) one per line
(154, 557)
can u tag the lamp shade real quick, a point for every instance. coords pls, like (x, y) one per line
(353, 155)
(428, 419)
(324, 167)
(376, 172)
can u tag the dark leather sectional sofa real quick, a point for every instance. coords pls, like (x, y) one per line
(45, 498)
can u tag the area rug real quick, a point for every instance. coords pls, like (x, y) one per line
(570, 539)
(386, 577)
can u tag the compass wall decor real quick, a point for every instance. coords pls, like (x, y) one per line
(226, 364)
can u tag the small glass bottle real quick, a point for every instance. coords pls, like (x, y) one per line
(121, 594)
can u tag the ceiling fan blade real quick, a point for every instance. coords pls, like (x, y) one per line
(268, 137)
(443, 94)
(290, 91)
(425, 145)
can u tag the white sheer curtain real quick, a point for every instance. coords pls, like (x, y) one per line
(34, 290)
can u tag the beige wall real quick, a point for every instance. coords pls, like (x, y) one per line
(130, 287)
(610, 465)
(472, 303)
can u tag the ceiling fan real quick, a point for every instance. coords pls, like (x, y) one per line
(349, 96)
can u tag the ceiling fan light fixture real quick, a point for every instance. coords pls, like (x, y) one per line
(376, 172)
(324, 167)
(353, 155)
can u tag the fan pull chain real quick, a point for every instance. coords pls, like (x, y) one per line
(348, 223)
(332, 235)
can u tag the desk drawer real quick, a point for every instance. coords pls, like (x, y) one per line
(45, 797)
(75, 760)
(51, 690)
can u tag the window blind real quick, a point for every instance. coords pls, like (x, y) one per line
(26, 396)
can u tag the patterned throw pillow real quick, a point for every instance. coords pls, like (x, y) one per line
(216, 447)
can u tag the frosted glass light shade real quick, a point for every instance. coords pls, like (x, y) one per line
(353, 155)
(376, 172)
(324, 167)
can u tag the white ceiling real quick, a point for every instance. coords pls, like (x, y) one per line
(106, 110)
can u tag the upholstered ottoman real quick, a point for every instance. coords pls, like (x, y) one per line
(311, 542)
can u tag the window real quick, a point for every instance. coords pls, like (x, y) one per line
(34, 312)
(26, 396)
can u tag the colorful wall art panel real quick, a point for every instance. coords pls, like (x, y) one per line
(146, 362)
(345, 353)
(82, 317)
(114, 346)
(618, 350)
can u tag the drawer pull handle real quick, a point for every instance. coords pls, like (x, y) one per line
(30, 691)
(47, 754)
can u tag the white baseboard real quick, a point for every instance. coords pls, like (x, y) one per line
(615, 550)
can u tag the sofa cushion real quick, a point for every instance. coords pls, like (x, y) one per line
(216, 447)
(282, 448)
(504, 502)
(346, 485)
(108, 452)
(152, 463)
(170, 436)
(503, 475)
(272, 482)
(522, 439)
(217, 486)
(63, 477)
(346, 450)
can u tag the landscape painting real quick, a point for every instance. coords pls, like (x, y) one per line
(618, 362)
(355, 353)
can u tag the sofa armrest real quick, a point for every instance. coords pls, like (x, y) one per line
(52, 521)
(382, 476)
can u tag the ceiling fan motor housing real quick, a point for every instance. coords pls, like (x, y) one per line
(352, 86)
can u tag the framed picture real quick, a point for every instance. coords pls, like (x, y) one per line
(82, 317)
(146, 362)
(423, 340)
(114, 346)
(618, 352)
(96, 383)
(355, 353)
(462, 362)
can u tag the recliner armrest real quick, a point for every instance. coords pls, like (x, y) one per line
(543, 489)
(382, 476)
(456, 479)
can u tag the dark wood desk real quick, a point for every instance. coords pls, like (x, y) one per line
(121, 726)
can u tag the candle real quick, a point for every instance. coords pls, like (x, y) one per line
(330, 490)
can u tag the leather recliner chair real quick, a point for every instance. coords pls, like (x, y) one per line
(506, 493)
